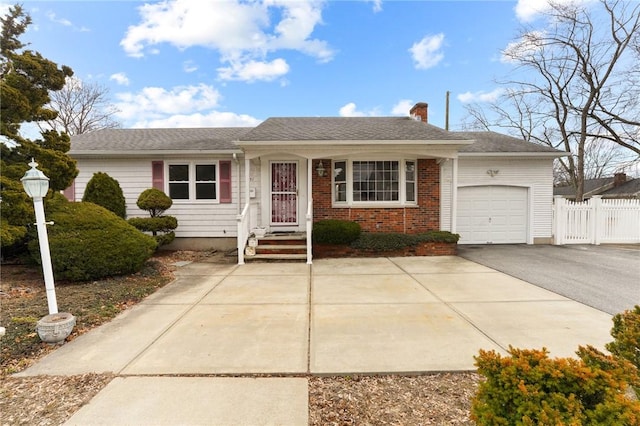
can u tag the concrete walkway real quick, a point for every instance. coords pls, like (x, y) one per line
(337, 316)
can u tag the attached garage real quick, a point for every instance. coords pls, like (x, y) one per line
(493, 214)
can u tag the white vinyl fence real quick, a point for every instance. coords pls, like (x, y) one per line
(596, 221)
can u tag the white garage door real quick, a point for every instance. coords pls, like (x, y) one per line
(492, 215)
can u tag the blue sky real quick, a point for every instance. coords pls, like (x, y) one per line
(191, 63)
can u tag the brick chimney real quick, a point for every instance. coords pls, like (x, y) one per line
(619, 179)
(420, 110)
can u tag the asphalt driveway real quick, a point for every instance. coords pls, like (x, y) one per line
(606, 277)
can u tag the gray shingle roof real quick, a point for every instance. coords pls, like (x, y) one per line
(347, 129)
(603, 186)
(499, 143)
(589, 186)
(211, 138)
(627, 189)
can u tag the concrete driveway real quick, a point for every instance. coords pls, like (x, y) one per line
(172, 353)
(606, 277)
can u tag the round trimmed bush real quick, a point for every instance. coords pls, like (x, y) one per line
(154, 201)
(161, 227)
(154, 224)
(89, 242)
(333, 231)
(105, 191)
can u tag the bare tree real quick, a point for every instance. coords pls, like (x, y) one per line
(575, 83)
(82, 107)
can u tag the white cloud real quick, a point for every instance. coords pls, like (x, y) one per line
(469, 97)
(377, 5)
(181, 106)
(350, 110)
(527, 46)
(241, 31)
(211, 119)
(427, 52)
(53, 18)
(189, 66)
(251, 71)
(155, 103)
(402, 107)
(64, 22)
(120, 78)
(528, 10)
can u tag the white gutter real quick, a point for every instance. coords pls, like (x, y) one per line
(514, 154)
(150, 153)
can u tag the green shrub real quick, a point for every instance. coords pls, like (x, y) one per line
(529, 388)
(154, 224)
(333, 231)
(105, 191)
(626, 334)
(89, 242)
(161, 227)
(395, 241)
(154, 201)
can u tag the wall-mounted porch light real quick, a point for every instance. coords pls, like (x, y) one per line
(320, 169)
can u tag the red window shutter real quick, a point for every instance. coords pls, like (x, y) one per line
(70, 192)
(225, 181)
(157, 174)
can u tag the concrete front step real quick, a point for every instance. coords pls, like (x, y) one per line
(277, 257)
(284, 236)
(282, 247)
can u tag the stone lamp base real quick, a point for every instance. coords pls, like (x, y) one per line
(54, 328)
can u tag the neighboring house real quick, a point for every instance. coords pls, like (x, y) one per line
(390, 174)
(617, 186)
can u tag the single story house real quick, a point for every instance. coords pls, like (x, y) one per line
(390, 174)
(617, 186)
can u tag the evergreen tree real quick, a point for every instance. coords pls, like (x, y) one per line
(26, 78)
(105, 191)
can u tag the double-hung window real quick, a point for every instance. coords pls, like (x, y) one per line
(193, 181)
(362, 182)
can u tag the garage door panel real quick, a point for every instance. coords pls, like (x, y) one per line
(492, 214)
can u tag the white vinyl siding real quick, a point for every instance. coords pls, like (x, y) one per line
(195, 219)
(536, 175)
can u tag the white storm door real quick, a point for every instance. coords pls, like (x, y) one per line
(284, 193)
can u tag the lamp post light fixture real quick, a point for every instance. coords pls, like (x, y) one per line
(55, 327)
(36, 185)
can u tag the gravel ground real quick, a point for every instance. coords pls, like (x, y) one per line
(432, 399)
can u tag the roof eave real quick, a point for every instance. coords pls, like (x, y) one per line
(514, 154)
(321, 142)
(154, 152)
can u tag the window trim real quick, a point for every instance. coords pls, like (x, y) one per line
(402, 184)
(192, 181)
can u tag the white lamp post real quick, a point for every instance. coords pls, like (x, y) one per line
(36, 185)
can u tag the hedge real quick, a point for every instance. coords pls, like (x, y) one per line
(90, 242)
(395, 241)
(334, 231)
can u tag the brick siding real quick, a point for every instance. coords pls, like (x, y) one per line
(407, 220)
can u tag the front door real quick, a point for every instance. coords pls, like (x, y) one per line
(284, 193)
